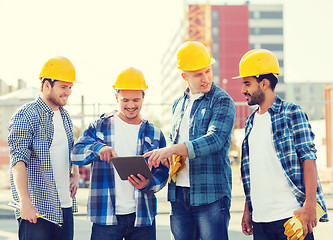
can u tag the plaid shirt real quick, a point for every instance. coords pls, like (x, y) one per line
(293, 142)
(30, 138)
(211, 121)
(101, 202)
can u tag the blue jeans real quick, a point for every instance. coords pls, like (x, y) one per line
(45, 230)
(273, 231)
(205, 222)
(124, 229)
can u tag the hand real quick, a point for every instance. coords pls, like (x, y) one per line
(73, 184)
(247, 225)
(294, 228)
(29, 212)
(106, 153)
(307, 214)
(139, 182)
(166, 162)
(158, 155)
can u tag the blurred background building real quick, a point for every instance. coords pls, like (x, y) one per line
(228, 31)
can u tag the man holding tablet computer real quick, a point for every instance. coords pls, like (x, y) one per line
(122, 208)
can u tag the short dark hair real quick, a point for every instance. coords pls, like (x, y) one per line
(51, 81)
(272, 78)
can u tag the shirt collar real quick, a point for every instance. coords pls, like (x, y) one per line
(46, 108)
(277, 105)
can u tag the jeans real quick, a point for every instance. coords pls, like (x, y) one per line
(45, 230)
(273, 231)
(205, 222)
(124, 229)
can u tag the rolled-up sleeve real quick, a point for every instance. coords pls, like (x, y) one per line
(303, 135)
(20, 139)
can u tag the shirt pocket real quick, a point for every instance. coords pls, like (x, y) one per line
(284, 142)
(201, 121)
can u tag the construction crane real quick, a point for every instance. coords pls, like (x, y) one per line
(198, 23)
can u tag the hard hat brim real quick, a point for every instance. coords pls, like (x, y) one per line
(238, 77)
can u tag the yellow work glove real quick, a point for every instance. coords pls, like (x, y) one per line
(177, 164)
(294, 227)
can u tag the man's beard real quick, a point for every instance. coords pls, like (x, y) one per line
(256, 98)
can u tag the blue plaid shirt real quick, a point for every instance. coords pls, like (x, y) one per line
(30, 137)
(101, 202)
(293, 142)
(211, 121)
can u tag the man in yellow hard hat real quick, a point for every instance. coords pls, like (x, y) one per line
(122, 208)
(203, 119)
(40, 139)
(278, 166)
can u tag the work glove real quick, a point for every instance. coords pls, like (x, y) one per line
(177, 164)
(294, 227)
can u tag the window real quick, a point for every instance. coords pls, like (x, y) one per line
(271, 31)
(271, 15)
(273, 46)
(266, 31)
(215, 17)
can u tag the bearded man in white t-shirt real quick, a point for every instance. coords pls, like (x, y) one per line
(278, 166)
(122, 208)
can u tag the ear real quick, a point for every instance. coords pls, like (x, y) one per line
(47, 85)
(116, 95)
(184, 76)
(265, 84)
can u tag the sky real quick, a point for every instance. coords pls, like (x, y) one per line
(103, 37)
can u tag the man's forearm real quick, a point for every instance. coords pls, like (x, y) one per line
(21, 182)
(75, 170)
(310, 180)
(179, 149)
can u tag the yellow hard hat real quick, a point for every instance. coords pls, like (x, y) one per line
(58, 68)
(130, 79)
(257, 62)
(192, 56)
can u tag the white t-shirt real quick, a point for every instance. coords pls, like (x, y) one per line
(183, 178)
(125, 144)
(271, 196)
(59, 153)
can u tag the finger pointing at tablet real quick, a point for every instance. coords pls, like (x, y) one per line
(106, 153)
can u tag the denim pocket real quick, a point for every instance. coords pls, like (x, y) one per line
(225, 203)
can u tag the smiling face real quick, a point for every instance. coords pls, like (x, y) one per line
(56, 95)
(130, 104)
(252, 91)
(199, 81)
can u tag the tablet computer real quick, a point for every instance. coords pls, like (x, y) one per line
(131, 165)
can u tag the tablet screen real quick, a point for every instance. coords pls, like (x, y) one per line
(131, 165)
